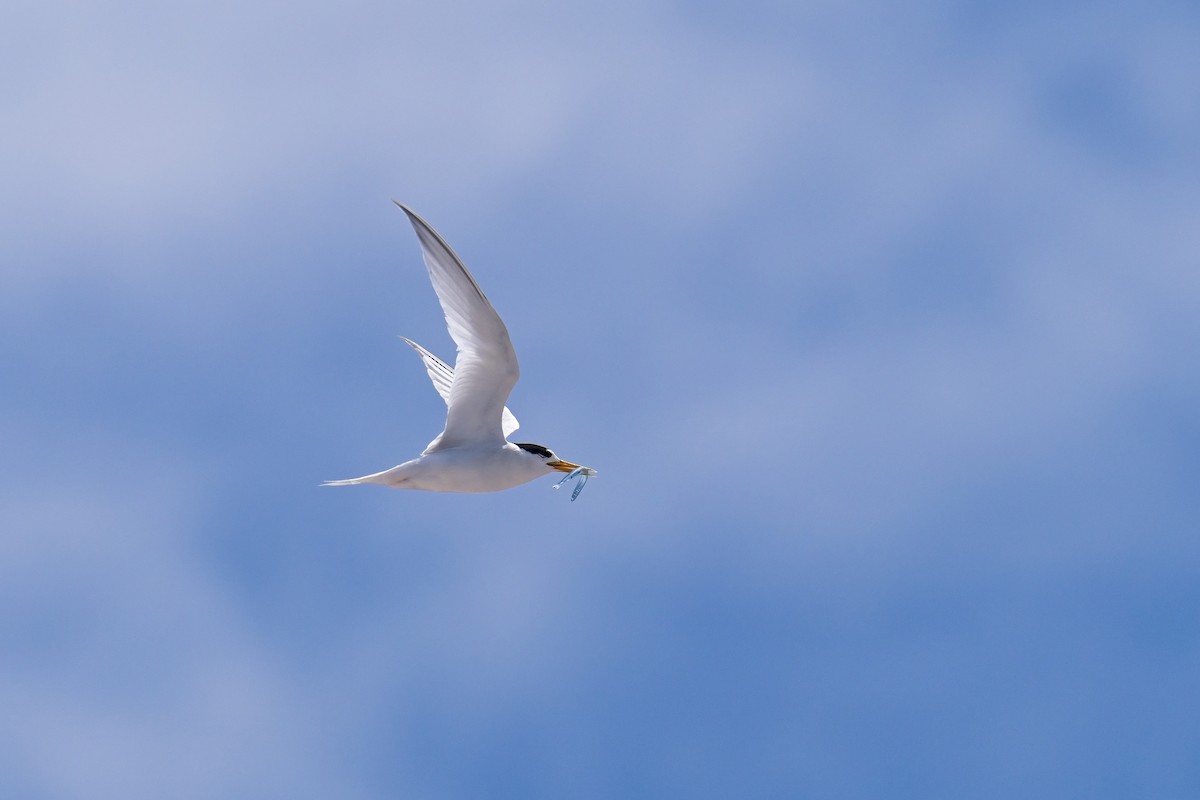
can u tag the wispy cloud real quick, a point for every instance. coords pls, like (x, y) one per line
(872, 322)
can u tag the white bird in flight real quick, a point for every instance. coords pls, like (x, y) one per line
(473, 453)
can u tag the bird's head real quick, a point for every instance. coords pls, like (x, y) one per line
(552, 461)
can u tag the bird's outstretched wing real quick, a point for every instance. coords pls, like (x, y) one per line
(442, 375)
(486, 369)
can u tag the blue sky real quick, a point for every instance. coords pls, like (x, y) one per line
(878, 322)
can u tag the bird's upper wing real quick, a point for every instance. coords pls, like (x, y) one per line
(485, 370)
(442, 375)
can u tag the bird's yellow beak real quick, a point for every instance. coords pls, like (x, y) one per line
(567, 466)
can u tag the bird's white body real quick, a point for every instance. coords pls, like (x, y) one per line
(462, 469)
(472, 453)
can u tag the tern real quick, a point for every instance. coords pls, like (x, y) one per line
(472, 453)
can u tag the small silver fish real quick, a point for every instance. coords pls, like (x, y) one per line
(583, 473)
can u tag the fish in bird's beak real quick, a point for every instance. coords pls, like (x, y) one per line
(567, 466)
(573, 471)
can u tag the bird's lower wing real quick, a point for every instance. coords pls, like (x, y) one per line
(442, 376)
